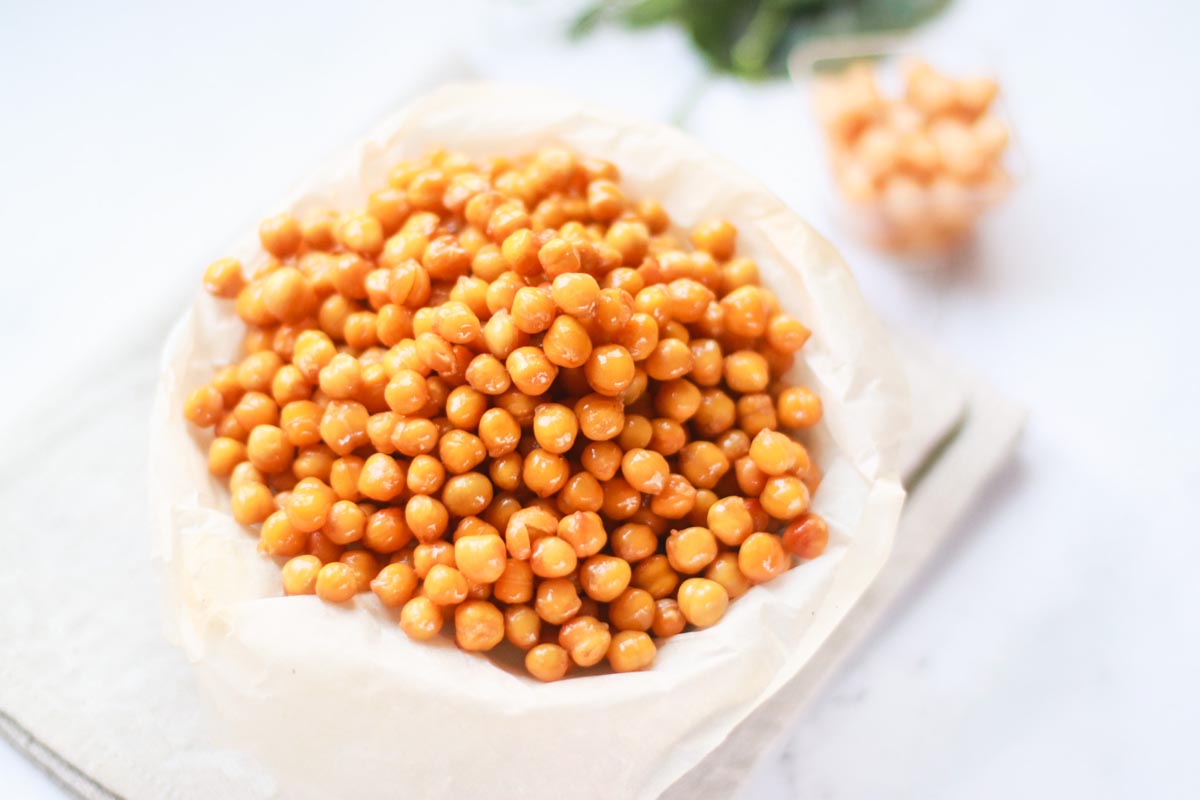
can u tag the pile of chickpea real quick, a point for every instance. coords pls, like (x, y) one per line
(928, 162)
(506, 397)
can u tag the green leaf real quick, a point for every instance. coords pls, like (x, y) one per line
(754, 48)
(586, 22)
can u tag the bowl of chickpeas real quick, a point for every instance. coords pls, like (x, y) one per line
(520, 415)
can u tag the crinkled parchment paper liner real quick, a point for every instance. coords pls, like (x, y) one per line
(338, 702)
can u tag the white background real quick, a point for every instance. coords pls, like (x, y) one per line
(1054, 650)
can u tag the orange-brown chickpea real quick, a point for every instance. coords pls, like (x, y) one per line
(336, 582)
(667, 436)
(525, 526)
(487, 375)
(224, 454)
(385, 530)
(678, 399)
(364, 565)
(531, 371)
(609, 369)
(784, 497)
(785, 334)
(426, 517)
(655, 576)
(586, 639)
(632, 610)
(465, 407)
(621, 501)
(601, 459)
(268, 449)
(645, 470)
(756, 412)
(676, 499)
(279, 538)
(395, 584)
(600, 418)
(762, 557)
(515, 584)
(460, 451)
(702, 601)
(725, 570)
(280, 235)
(547, 662)
(552, 557)
(806, 536)
(381, 478)
(320, 546)
(557, 600)
(478, 625)
(555, 427)
(224, 278)
(467, 494)
(799, 407)
(603, 578)
(415, 436)
(671, 358)
(566, 343)
(426, 475)
(300, 575)
(668, 619)
(690, 550)
(203, 406)
(576, 293)
(421, 618)
(772, 452)
(445, 585)
(745, 311)
(634, 542)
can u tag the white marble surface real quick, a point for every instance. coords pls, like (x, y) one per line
(1053, 650)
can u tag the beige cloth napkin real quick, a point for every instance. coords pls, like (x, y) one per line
(91, 690)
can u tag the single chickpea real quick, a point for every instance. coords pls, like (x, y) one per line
(269, 450)
(343, 477)
(702, 601)
(655, 576)
(460, 451)
(745, 311)
(243, 473)
(678, 399)
(586, 639)
(630, 651)
(280, 235)
(532, 310)
(688, 299)
(667, 436)
(690, 550)
(254, 409)
(600, 417)
(227, 384)
(224, 454)
(426, 517)
(582, 492)
(360, 232)
(203, 406)
(300, 575)
(584, 532)
(632, 610)
(445, 585)
(395, 584)
(576, 293)
(750, 479)
(487, 375)
(224, 278)
(756, 412)
(556, 600)
(467, 494)
(601, 459)
(567, 343)
(621, 501)
(806, 536)
(799, 407)
(279, 538)
(380, 428)
(676, 499)
(526, 526)
(668, 619)
(784, 497)
(729, 520)
(428, 555)
(415, 436)
(478, 626)
(531, 371)
(547, 662)
(552, 557)
(421, 618)
(385, 530)
(382, 478)
(762, 557)
(555, 427)
(786, 334)
(703, 464)
(289, 386)
(465, 407)
(320, 546)
(717, 237)
(634, 542)
(725, 571)
(345, 522)
(614, 309)
(344, 426)
(645, 470)
(520, 405)
(336, 582)
(309, 504)
(772, 452)
(364, 565)
(671, 358)
(651, 213)
(603, 578)
(747, 372)
(636, 433)
(288, 294)
(515, 584)
(609, 369)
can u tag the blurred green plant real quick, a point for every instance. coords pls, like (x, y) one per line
(751, 38)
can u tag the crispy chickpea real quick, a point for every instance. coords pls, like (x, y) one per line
(671, 358)
(478, 626)
(676, 499)
(515, 584)
(254, 409)
(806, 536)
(799, 407)
(678, 399)
(309, 504)
(300, 575)
(581, 492)
(224, 278)
(730, 521)
(609, 369)
(278, 537)
(557, 600)
(746, 371)
(526, 526)
(583, 531)
(289, 386)
(655, 576)
(566, 343)
(576, 293)
(445, 585)
(415, 436)
(203, 406)
(531, 371)
(600, 417)
(756, 412)
(725, 570)
(467, 494)
(772, 452)
(421, 618)
(280, 235)
(344, 426)
(586, 639)
(499, 432)
(634, 542)
(784, 497)
(320, 546)
(288, 294)
(460, 451)
(786, 334)
(552, 557)
(688, 299)
(395, 584)
(668, 619)
(336, 582)
(630, 651)
(268, 449)
(690, 550)
(426, 475)
(750, 479)
(487, 375)
(382, 478)
(465, 407)
(547, 662)
(555, 427)
(345, 522)
(407, 392)
(364, 565)
(703, 464)
(621, 501)
(601, 459)
(614, 309)
(762, 557)
(532, 310)
(603, 578)
(645, 470)
(343, 477)
(385, 530)
(428, 555)
(426, 517)
(667, 436)
(257, 370)
(702, 601)
(244, 472)
(745, 311)
(224, 454)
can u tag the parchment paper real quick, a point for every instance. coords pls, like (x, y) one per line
(338, 702)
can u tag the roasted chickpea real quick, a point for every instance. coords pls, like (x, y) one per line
(552, 557)
(385, 530)
(799, 407)
(702, 601)
(555, 427)
(690, 550)
(395, 584)
(645, 470)
(445, 585)
(756, 412)
(762, 557)
(667, 436)
(772, 452)
(280, 235)
(382, 478)
(531, 371)
(336, 582)
(515, 584)
(784, 497)
(805, 537)
(609, 369)
(426, 517)
(461, 452)
(586, 639)
(421, 618)
(603, 578)
(364, 565)
(557, 600)
(676, 499)
(601, 459)
(300, 575)
(478, 625)
(547, 662)
(279, 538)
(467, 494)
(203, 406)
(600, 418)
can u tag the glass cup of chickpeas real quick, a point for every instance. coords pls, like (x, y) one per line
(517, 407)
(917, 151)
